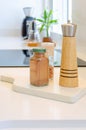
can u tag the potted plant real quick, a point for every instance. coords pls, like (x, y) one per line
(46, 22)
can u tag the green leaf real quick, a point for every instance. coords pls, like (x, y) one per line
(50, 14)
(53, 21)
(47, 20)
(45, 15)
(40, 20)
(42, 27)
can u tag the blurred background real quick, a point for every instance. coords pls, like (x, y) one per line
(12, 16)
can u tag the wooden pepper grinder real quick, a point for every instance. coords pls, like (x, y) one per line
(69, 69)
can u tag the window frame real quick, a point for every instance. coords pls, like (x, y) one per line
(65, 16)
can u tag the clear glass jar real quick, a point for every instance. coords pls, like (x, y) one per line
(33, 35)
(39, 68)
(33, 39)
(49, 46)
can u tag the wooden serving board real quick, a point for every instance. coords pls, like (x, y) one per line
(53, 90)
(19, 78)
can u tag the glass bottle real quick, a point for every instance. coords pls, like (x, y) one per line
(33, 35)
(39, 68)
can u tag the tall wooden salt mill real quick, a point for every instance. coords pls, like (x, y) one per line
(69, 69)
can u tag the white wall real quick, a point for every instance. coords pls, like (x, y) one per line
(79, 17)
(11, 14)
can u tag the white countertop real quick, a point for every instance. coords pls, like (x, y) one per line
(16, 106)
(12, 43)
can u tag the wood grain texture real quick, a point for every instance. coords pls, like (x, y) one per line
(69, 70)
